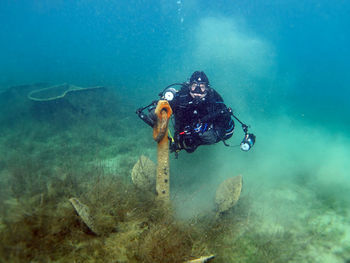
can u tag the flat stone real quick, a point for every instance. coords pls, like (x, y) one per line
(84, 212)
(143, 174)
(228, 193)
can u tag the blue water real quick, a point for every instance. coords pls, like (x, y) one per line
(147, 45)
(281, 65)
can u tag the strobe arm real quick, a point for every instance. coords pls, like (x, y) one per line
(144, 116)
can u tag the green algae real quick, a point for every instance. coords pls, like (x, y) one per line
(52, 155)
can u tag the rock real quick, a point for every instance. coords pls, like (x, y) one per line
(143, 174)
(228, 193)
(84, 212)
(202, 259)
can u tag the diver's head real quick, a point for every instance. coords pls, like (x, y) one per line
(199, 85)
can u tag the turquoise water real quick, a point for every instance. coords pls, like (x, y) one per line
(281, 65)
(288, 53)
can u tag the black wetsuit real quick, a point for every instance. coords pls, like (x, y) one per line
(197, 121)
(200, 121)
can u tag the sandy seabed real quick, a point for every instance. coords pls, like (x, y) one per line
(85, 146)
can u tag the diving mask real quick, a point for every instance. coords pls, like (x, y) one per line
(198, 87)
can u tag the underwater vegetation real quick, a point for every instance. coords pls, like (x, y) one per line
(76, 147)
(132, 227)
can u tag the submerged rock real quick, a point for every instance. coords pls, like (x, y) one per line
(228, 193)
(143, 174)
(84, 212)
(202, 259)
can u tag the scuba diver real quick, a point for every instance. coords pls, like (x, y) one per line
(201, 117)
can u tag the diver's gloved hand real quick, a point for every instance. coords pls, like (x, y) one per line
(174, 145)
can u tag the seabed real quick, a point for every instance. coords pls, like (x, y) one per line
(81, 149)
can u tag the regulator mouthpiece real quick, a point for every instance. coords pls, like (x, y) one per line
(248, 142)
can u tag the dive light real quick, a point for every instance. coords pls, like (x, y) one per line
(247, 142)
(169, 94)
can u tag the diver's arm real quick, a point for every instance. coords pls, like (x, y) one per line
(221, 119)
(224, 124)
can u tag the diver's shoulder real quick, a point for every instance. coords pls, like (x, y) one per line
(182, 97)
(215, 96)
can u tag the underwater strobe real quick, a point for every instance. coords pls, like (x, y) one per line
(247, 142)
(249, 138)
